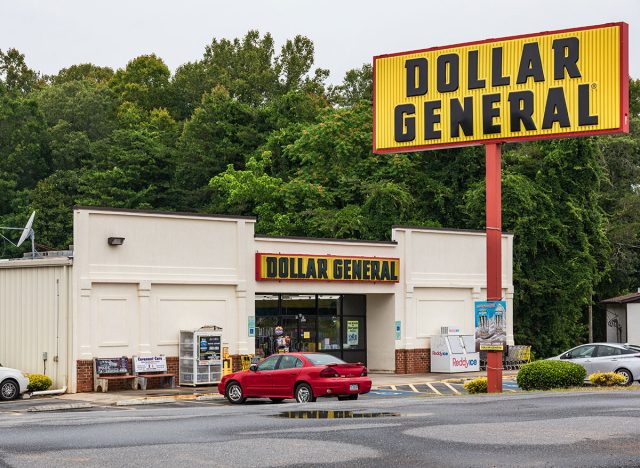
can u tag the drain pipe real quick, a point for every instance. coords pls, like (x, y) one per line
(59, 391)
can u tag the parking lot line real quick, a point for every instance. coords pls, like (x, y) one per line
(436, 391)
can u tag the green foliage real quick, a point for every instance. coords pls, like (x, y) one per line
(606, 379)
(478, 385)
(251, 128)
(545, 375)
(39, 382)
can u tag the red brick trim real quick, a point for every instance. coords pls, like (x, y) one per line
(84, 369)
(413, 361)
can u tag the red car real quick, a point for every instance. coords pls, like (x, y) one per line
(303, 376)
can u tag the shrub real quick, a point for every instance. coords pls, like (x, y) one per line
(39, 382)
(478, 385)
(606, 379)
(543, 375)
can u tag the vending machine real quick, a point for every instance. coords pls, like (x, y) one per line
(201, 356)
(452, 352)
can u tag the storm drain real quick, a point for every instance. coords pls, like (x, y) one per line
(340, 414)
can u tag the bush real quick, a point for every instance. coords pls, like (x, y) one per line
(606, 379)
(39, 382)
(478, 385)
(543, 375)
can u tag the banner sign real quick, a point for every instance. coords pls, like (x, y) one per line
(277, 267)
(150, 364)
(252, 326)
(353, 327)
(491, 325)
(565, 83)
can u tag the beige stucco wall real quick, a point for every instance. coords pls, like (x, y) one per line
(173, 272)
(34, 316)
(443, 274)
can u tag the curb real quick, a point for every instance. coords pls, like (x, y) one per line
(171, 399)
(64, 406)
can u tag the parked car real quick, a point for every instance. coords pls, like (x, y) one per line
(623, 359)
(303, 376)
(13, 383)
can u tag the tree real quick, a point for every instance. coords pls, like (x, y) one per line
(85, 106)
(16, 76)
(144, 81)
(551, 204)
(83, 72)
(221, 131)
(24, 157)
(356, 86)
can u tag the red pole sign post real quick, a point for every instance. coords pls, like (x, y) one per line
(494, 252)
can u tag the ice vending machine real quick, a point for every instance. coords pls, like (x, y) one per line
(454, 353)
(201, 356)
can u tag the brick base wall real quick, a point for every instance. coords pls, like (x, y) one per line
(84, 369)
(413, 361)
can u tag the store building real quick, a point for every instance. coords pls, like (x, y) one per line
(136, 278)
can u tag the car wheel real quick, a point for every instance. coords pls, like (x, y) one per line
(277, 400)
(304, 394)
(234, 393)
(353, 397)
(9, 390)
(628, 376)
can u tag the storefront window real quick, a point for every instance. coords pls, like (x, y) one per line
(333, 324)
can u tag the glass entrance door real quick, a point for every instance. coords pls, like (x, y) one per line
(333, 324)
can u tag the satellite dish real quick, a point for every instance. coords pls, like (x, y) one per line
(27, 231)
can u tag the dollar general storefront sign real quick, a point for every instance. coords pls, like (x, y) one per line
(563, 83)
(326, 268)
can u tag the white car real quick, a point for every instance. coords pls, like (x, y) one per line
(623, 359)
(13, 383)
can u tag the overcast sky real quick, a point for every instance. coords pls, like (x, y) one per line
(346, 33)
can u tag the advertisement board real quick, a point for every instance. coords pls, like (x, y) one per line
(565, 83)
(209, 350)
(279, 267)
(491, 325)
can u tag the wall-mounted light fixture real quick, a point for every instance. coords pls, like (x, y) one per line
(115, 240)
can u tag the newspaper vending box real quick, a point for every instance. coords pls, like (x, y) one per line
(454, 353)
(201, 356)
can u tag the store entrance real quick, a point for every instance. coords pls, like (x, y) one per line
(333, 324)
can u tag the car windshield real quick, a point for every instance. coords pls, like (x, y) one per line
(635, 348)
(323, 359)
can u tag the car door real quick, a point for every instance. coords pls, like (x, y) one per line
(606, 359)
(259, 383)
(285, 376)
(582, 355)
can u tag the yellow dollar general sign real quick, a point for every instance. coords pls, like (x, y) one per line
(277, 267)
(553, 84)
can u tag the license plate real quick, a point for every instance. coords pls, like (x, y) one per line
(353, 387)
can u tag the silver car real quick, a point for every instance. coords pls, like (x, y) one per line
(606, 357)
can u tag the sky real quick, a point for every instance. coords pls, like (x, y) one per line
(346, 33)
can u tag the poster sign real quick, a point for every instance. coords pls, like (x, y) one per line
(210, 350)
(566, 83)
(491, 325)
(150, 364)
(277, 267)
(252, 326)
(398, 330)
(118, 365)
(352, 332)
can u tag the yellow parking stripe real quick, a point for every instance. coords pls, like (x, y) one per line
(435, 390)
